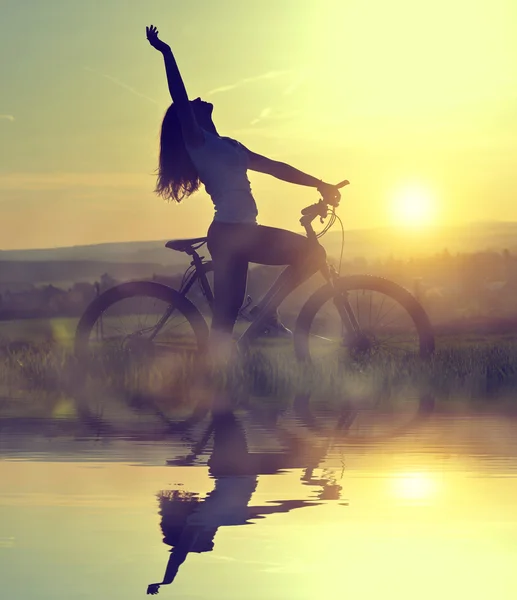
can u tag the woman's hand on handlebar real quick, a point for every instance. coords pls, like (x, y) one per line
(154, 40)
(330, 193)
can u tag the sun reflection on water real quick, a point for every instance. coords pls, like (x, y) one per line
(414, 487)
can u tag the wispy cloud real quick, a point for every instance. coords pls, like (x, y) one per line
(296, 78)
(7, 117)
(246, 80)
(295, 84)
(247, 562)
(60, 181)
(121, 84)
(264, 114)
(270, 114)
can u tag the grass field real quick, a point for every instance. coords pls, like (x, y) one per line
(60, 330)
(474, 372)
(41, 378)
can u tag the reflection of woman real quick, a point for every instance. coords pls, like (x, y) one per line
(190, 524)
(192, 152)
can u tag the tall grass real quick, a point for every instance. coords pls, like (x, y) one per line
(44, 374)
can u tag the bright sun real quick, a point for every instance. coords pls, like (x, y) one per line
(413, 206)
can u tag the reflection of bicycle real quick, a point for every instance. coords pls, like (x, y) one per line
(355, 423)
(353, 315)
(345, 422)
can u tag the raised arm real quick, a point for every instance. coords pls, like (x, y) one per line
(285, 172)
(192, 132)
(176, 559)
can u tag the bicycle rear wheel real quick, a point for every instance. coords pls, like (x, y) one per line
(142, 318)
(138, 341)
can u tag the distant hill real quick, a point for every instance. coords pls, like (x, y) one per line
(404, 243)
(20, 274)
(134, 252)
(128, 260)
(123, 261)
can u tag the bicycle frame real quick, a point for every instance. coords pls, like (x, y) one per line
(288, 280)
(199, 272)
(281, 288)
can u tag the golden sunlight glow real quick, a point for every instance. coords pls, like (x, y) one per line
(414, 486)
(414, 206)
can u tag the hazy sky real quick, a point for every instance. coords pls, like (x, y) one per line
(383, 93)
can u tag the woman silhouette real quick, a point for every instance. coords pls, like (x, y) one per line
(192, 152)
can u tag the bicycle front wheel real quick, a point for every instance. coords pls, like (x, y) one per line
(368, 340)
(388, 322)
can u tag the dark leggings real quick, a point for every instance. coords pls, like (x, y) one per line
(234, 245)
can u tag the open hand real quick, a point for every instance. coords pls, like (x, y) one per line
(153, 588)
(154, 40)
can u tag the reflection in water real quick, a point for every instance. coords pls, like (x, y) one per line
(190, 524)
(438, 499)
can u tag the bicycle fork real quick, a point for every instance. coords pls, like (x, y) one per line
(351, 326)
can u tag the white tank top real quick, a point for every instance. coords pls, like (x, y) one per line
(222, 165)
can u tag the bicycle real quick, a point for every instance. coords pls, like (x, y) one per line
(163, 321)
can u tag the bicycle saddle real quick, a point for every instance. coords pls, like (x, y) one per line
(187, 245)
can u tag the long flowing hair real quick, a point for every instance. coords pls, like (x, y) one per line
(177, 176)
(175, 508)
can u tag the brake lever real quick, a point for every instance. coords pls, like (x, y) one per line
(320, 209)
(324, 211)
(308, 209)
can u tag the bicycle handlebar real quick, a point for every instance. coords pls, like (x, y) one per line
(320, 209)
(339, 185)
(314, 210)
(343, 183)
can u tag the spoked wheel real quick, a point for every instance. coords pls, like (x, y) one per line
(143, 319)
(367, 340)
(139, 340)
(390, 322)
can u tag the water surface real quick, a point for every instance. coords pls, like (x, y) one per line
(262, 510)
